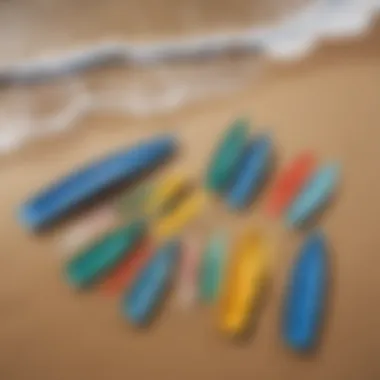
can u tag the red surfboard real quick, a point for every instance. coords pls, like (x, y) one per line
(127, 270)
(289, 183)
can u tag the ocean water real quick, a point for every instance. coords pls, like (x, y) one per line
(148, 59)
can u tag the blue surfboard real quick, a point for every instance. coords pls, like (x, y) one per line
(306, 294)
(316, 193)
(65, 194)
(147, 291)
(251, 173)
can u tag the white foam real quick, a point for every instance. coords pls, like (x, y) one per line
(290, 38)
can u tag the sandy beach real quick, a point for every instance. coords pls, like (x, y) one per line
(328, 103)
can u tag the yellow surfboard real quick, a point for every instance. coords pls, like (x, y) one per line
(243, 285)
(167, 189)
(174, 222)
